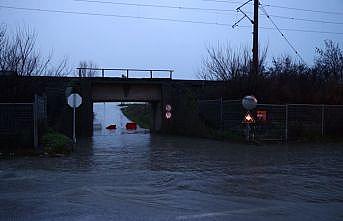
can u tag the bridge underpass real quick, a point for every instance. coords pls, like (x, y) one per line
(112, 118)
(151, 94)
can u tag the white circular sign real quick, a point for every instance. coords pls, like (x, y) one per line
(168, 115)
(168, 107)
(249, 102)
(74, 100)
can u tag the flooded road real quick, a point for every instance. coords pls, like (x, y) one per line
(124, 176)
(106, 114)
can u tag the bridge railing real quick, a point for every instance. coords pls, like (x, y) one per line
(125, 73)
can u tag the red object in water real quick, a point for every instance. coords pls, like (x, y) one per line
(131, 126)
(112, 127)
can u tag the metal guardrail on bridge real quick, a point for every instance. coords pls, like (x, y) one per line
(91, 72)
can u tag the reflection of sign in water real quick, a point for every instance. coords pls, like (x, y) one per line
(261, 115)
(248, 119)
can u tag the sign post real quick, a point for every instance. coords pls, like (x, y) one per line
(249, 103)
(74, 101)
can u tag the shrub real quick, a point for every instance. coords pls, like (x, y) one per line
(56, 143)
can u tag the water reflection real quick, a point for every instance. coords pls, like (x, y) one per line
(106, 114)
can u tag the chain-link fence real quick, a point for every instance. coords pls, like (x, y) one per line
(275, 122)
(22, 124)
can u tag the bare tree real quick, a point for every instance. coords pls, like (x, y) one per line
(329, 61)
(225, 63)
(86, 69)
(61, 69)
(2, 38)
(18, 53)
(286, 66)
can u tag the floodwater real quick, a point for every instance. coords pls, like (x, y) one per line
(110, 114)
(125, 176)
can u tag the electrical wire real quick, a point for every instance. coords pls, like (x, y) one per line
(279, 30)
(113, 15)
(307, 20)
(305, 10)
(158, 6)
(210, 10)
(158, 19)
(221, 1)
(284, 7)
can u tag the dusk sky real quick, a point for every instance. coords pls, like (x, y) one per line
(114, 42)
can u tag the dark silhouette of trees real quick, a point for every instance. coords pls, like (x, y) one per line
(284, 80)
(18, 53)
(225, 63)
(328, 63)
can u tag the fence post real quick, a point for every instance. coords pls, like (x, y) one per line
(150, 74)
(127, 73)
(286, 125)
(102, 72)
(221, 114)
(45, 110)
(35, 121)
(323, 120)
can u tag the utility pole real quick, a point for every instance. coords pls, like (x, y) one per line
(255, 61)
(255, 68)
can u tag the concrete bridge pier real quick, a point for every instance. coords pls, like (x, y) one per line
(156, 119)
(85, 112)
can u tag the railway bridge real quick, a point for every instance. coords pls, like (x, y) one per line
(181, 95)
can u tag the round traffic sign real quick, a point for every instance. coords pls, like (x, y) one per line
(74, 100)
(168, 115)
(249, 102)
(168, 107)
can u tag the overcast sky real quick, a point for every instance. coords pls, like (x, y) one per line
(113, 42)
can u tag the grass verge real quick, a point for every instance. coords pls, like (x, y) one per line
(139, 113)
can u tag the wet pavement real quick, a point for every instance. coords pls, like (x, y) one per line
(125, 176)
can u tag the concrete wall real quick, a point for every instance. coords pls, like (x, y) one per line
(183, 97)
(157, 116)
(125, 92)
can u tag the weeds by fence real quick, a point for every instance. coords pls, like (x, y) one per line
(275, 122)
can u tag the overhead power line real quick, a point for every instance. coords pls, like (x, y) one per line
(113, 15)
(158, 6)
(302, 30)
(210, 10)
(221, 1)
(283, 7)
(307, 20)
(304, 9)
(282, 34)
(156, 19)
